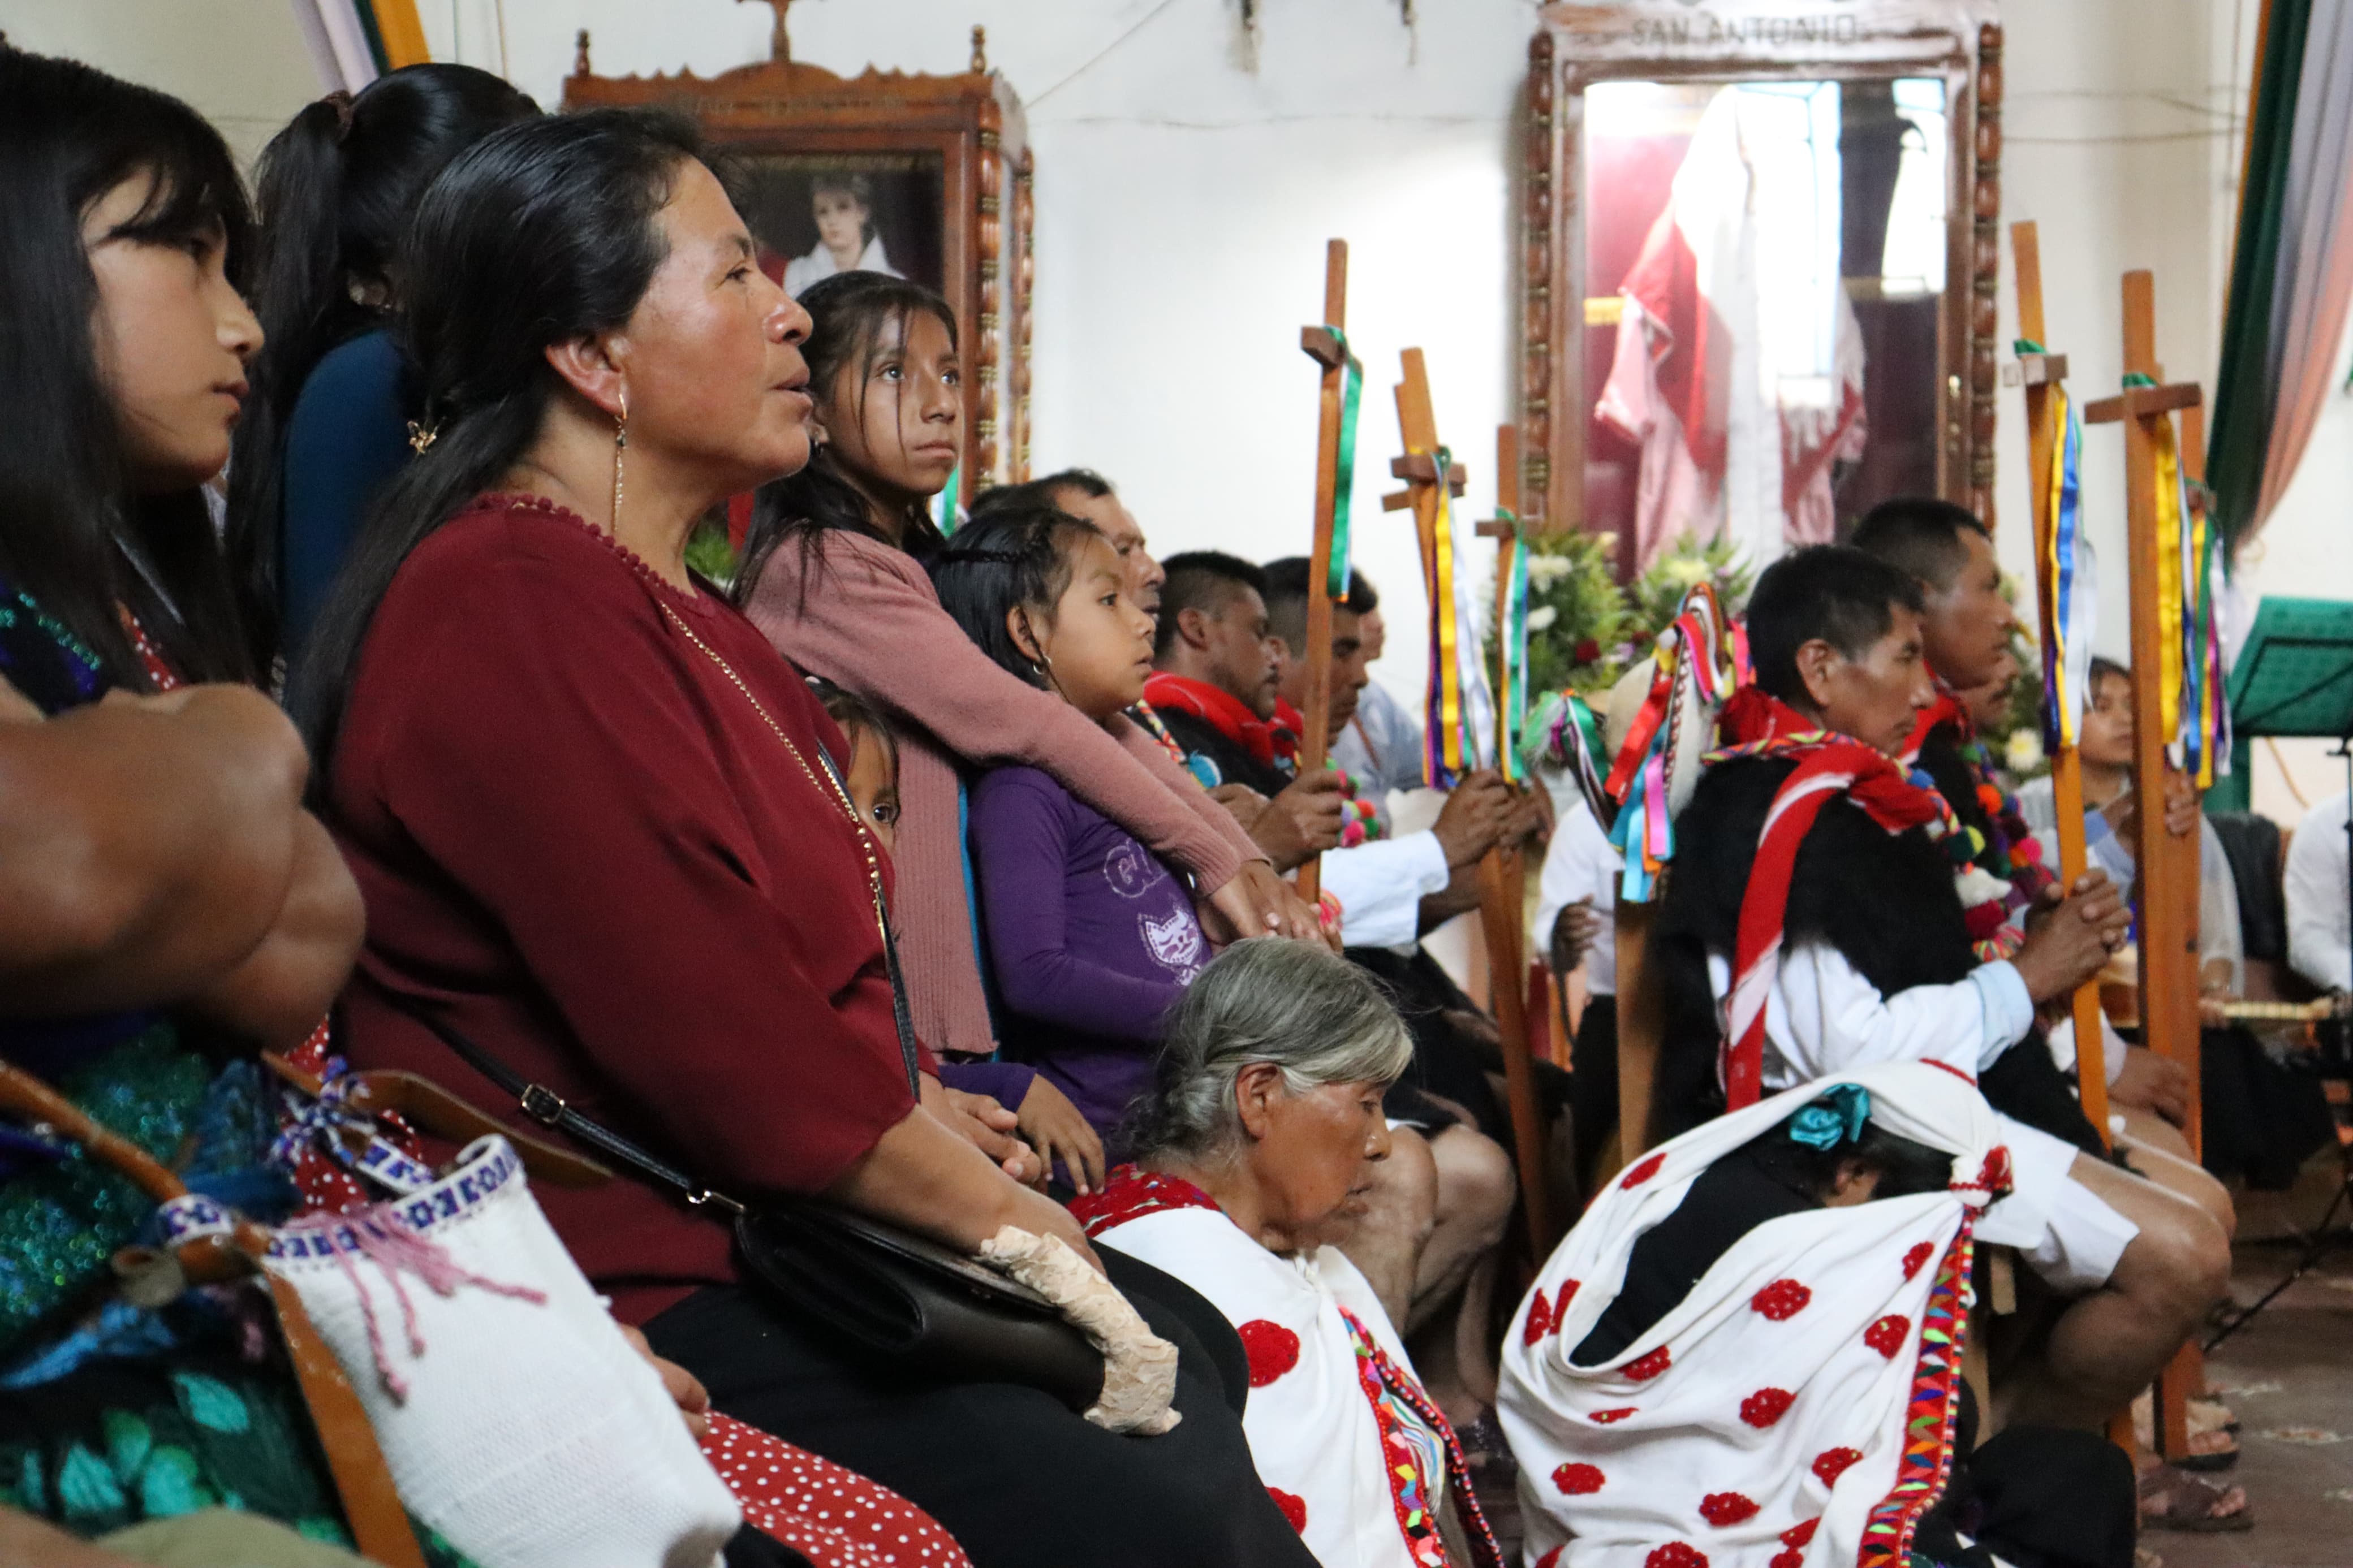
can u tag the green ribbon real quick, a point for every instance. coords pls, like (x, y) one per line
(2027, 346)
(948, 501)
(2135, 378)
(1344, 481)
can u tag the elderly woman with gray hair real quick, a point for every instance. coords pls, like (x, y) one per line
(1255, 1153)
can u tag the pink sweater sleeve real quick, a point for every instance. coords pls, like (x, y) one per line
(1143, 748)
(863, 615)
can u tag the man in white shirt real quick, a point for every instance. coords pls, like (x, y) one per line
(2320, 899)
(1876, 966)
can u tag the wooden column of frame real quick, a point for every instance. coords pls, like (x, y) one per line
(1576, 45)
(972, 123)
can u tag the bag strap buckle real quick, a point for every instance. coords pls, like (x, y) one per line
(543, 1104)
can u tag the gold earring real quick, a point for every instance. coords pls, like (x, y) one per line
(620, 444)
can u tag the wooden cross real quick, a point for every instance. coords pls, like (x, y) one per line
(1501, 874)
(1322, 343)
(780, 38)
(2041, 373)
(2167, 867)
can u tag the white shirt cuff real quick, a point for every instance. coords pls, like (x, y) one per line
(2004, 1006)
(1381, 887)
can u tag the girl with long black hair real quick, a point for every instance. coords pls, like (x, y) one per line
(833, 572)
(594, 815)
(327, 424)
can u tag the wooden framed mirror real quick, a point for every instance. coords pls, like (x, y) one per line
(1760, 259)
(927, 176)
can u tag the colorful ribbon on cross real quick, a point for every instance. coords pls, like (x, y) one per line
(2070, 576)
(2193, 715)
(1562, 732)
(1511, 654)
(1459, 726)
(1700, 659)
(1344, 479)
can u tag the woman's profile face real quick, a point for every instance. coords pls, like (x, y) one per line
(841, 222)
(1313, 1161)
(172, 337)
(711, 356)
(897, 419)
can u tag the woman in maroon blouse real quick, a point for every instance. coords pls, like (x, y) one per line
(586, 803)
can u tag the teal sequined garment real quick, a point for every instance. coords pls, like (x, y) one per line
(60, 1223)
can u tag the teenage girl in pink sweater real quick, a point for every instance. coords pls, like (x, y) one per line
(833, 573)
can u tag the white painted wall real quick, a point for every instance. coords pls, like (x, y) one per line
(1188, 180)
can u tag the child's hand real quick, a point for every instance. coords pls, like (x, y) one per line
(1053, 1127)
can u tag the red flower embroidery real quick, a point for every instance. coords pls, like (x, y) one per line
(1644, 1368)
(1887, 1335)
(1560, 1304)
(1610, 1417)
(1722, 1510)
(1675, 1554)
(1578, 1481)
(1273, 1348)
(1800, 1533)
(1294, 1509)
(1539, 1322)
(1551, 1559)
(1767, 1405)
(1782, 1300)
(1642, 1172)
(1916, 1256)
(1831, 1463)
(1786, 1559)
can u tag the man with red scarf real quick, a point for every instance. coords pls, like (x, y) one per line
(1964, 625)
(1812, 923)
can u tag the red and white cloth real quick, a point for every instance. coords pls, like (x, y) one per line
(1348, 1444)
(1739, 365)
(1796, 1409)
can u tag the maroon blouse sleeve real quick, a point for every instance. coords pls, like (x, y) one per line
(553, 754)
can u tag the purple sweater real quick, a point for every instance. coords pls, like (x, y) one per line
(1091, 941)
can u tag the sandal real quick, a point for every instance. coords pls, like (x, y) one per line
(2212, 1447)
(2173, 1500)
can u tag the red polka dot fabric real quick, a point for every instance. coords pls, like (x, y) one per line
(835, 1518)
(1294, 1509)
(1272, 1350)
(1767, 1405)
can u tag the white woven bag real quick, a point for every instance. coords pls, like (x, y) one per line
(515, 1418)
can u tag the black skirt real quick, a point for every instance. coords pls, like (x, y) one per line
(1011, 1473)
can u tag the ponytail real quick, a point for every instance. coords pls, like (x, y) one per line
(336, 189)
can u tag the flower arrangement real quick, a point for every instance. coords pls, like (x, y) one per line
(1585, 629)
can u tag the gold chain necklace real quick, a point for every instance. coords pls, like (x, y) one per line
(830, 787)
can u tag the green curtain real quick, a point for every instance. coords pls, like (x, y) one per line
(2245, 387)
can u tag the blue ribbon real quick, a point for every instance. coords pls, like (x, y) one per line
(1836, 1117)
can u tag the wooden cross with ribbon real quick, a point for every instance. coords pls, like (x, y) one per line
(2166, 867)
(1327, 345)
(2048, 469)
(1503, 874)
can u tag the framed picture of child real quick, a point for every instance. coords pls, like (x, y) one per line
(817, 214)
(924, 177)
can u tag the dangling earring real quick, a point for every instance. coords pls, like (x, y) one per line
(620, 444)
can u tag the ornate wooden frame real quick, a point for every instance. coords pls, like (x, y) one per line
(1731, 40)
(972, 122)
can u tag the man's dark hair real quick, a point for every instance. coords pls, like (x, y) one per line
(1033, 495)
(1086, 482)
(1920, 535)
(1286, 598)
(1202, 580)
(1833, 592)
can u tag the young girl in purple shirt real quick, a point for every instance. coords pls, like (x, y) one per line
(1087, 938)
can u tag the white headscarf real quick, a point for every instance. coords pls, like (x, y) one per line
(1796, 1409)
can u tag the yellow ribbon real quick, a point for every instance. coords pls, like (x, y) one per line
(2169, 586)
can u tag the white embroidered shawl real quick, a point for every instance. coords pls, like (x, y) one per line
(1796, 1409)
(1350, 1468)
